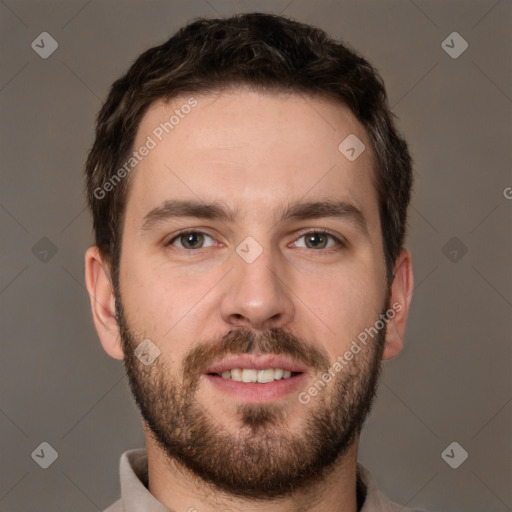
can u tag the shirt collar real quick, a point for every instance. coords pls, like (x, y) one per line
(135, 496)
(133, 471)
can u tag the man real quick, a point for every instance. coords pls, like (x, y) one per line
(249, 194)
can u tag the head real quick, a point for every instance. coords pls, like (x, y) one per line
(231, 130)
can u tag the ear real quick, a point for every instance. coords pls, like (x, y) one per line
(101, 293)
(399, 300)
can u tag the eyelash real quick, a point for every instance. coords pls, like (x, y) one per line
(341, 243)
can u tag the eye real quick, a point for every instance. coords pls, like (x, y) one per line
(190, 240)
(318, 240)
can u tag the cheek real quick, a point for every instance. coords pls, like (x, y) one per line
(344, 303)
(160, 300)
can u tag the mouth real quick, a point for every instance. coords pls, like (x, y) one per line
(256, 379)
(251, 375)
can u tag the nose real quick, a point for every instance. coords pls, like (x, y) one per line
(257, 296)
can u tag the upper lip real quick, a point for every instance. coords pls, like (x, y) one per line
(257, 362)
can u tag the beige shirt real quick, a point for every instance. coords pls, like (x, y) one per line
(135, 496)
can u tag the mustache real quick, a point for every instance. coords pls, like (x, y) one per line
(245, 341)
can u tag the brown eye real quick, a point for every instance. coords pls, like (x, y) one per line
(318, 240)
(190, 240)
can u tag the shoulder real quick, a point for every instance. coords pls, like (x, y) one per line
(115, 507)
(375, 500)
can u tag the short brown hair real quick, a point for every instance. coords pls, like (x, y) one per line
(265, 52)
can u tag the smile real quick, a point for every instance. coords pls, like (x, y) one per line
(252, 375)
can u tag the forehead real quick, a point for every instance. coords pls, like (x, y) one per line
(250, 149)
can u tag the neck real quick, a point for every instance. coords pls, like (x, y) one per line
(179, 490)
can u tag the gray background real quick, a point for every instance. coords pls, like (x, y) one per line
(453, 380)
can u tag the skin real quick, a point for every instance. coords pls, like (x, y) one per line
(256, 152)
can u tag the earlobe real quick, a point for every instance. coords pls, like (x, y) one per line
(101, 293)
(399, 300)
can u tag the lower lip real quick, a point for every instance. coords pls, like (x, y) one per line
(257, 393)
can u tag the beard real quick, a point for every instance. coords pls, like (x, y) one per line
(263, 459)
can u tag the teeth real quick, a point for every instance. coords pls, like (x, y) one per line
(265, 375)
(252, 375)
(236, 374)
(249, 375)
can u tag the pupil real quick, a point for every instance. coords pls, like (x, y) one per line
(192, 239)
(317, 236)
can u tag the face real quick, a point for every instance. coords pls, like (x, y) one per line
(252, 244)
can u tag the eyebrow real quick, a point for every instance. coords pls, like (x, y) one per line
(218, 211)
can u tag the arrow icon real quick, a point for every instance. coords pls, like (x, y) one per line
(249, 249)
(351, 147)
(454, 45)
(147, 352)
(45, 455)
(44, 45)
(44, 250)
(454, 455)
(454, 249)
